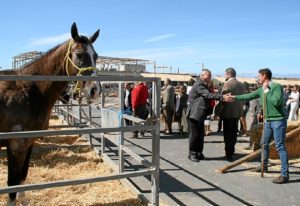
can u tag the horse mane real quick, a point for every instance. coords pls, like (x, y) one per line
(36, 67)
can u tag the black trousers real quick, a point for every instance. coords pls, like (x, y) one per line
(230, 127)
(196, 135)
(142, 113)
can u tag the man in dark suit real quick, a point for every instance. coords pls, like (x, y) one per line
(199, 99)
(232, 111)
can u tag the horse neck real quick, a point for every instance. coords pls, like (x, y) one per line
(52, 63)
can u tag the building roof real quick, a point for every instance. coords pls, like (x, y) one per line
(172, 76)
(253, 80)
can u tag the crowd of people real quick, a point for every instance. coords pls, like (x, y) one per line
(194, 105)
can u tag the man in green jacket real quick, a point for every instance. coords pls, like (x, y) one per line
(271, 97)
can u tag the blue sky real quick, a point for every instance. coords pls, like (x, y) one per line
(244, 34)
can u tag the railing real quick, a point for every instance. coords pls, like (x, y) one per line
(75, 119)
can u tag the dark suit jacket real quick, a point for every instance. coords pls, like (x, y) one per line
(199, 98)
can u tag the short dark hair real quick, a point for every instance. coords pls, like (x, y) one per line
(231, 71)
(191, 82)
(267, 72)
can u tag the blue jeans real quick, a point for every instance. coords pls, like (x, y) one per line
(277, 130)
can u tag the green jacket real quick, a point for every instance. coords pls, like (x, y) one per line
(274, 105)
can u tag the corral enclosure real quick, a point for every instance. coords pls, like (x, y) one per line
(69, 157)
(98, 130)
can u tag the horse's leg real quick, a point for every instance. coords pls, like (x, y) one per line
(26, 163)
(16, 155)
(21, 195)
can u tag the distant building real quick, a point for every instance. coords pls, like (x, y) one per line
(105, 63)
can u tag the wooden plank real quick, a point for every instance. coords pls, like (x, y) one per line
(254, 154)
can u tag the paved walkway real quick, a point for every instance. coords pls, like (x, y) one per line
(183, 182)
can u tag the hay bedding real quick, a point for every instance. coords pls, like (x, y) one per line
(51, 162)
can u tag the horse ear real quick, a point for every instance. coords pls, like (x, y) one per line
(74, 32)
(94, 36)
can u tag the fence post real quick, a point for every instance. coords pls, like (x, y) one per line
(102, 107)
(121, 124)
(155, 141)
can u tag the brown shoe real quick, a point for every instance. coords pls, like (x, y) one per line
(281, 180)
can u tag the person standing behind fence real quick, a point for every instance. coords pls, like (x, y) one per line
(272, 100)
(199, 102)
(231, 112)
(139, 96)
(190, 85)
(246, 105)
(127, 102)
(293, 100)
(287, 105)
(210, 110)
(168, 105)
(181, 106)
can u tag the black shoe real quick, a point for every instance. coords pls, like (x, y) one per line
(281, 180)
(193, 158)
(258, 169)
(201, 156)
(229, 158)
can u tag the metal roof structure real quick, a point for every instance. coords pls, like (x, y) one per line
(118, 60)
(25, 58)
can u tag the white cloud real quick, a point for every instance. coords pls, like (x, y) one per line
(159, 38)
(50, 40)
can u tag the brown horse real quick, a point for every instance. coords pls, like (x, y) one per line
(26, 105)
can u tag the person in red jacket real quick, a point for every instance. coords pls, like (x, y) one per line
(139, 96)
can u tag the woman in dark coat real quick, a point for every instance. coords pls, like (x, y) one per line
(181, 106)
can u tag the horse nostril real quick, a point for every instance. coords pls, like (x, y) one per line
(93, 91)
(79, 55)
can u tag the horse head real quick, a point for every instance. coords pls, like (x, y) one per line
(81, 52)
(82, 58)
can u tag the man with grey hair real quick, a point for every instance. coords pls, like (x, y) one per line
(231, 112)
(197, 112)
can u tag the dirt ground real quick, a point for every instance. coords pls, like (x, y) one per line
(69, 157)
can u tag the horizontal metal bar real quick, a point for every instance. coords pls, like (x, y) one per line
(138, 158)
(59, 126)
(62, 183)
(76, 78)
(70, 105)
(43, 133)
(134, 119)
